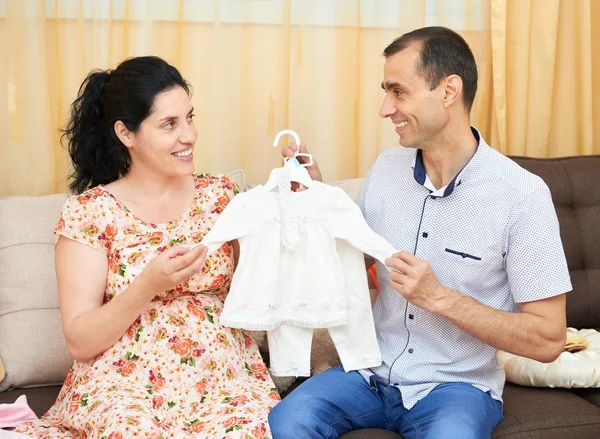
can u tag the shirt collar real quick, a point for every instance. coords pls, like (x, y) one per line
(464, 174)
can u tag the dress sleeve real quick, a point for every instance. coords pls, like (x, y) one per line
(348, 223)
(81, 220)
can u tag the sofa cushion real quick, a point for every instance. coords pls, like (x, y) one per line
(592, 395)
(537, 413)
(32, 345)
(573, 182)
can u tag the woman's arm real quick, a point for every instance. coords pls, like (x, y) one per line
(90, 327)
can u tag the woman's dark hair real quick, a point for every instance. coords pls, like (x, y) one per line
(443, 53)
(105, 97)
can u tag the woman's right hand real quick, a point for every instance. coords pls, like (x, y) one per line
(171, 268)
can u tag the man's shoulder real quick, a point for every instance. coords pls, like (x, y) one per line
(511, 174)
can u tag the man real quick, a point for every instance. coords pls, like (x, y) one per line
(481, 265)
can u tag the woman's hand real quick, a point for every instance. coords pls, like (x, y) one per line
(171, 267)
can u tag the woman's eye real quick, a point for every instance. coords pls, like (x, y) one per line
(191, 117)
(169, 125)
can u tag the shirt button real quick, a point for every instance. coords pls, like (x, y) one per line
(410, 316)
(425, 234)
(410, 351)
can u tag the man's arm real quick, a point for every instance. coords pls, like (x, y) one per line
(538, 332)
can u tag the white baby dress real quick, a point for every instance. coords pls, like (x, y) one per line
(301, 267)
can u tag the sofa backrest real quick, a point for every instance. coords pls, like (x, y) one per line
(32, 345)
(575, 186)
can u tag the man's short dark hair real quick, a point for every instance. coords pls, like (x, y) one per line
(443, 52)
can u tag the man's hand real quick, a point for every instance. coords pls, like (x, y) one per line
(313, 170)
(417, 282)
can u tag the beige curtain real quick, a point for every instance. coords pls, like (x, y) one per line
(543, 54)
(314, 66)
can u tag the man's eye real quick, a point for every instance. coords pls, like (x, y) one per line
(191, 117)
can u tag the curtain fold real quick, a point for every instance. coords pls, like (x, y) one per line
(542, 61)
(314, 66)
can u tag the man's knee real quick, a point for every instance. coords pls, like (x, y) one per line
(293, 418)
(459, 426)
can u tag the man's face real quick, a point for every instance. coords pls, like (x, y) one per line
(415, 110)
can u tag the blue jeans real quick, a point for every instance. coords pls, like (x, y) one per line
(334, 402)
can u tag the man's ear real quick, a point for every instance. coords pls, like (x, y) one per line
(125, 136)
(452, 90)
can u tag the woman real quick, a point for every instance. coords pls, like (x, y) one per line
(140, 310)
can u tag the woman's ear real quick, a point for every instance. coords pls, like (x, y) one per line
(125, 136)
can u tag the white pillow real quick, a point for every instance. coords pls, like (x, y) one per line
(569, 370)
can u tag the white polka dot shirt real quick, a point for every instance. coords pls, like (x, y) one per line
(492, 234)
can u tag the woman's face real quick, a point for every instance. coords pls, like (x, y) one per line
(165, 142)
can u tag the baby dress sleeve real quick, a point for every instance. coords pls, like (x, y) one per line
(236, 220)
(347, 222)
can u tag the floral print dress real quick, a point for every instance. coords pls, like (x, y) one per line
(176, 373)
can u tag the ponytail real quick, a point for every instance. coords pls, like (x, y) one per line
(96, 157)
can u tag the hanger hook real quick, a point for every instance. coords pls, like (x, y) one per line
(291, 133)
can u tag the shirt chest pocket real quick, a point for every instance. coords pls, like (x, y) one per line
(455, 253)
(460, 263)
(463, 254)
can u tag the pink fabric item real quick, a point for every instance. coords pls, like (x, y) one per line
(14, 414)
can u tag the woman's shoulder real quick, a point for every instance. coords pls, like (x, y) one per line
(88, 198)
(88, 217)
(93, 205)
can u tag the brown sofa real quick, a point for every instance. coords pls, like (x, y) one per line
(528, 412)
